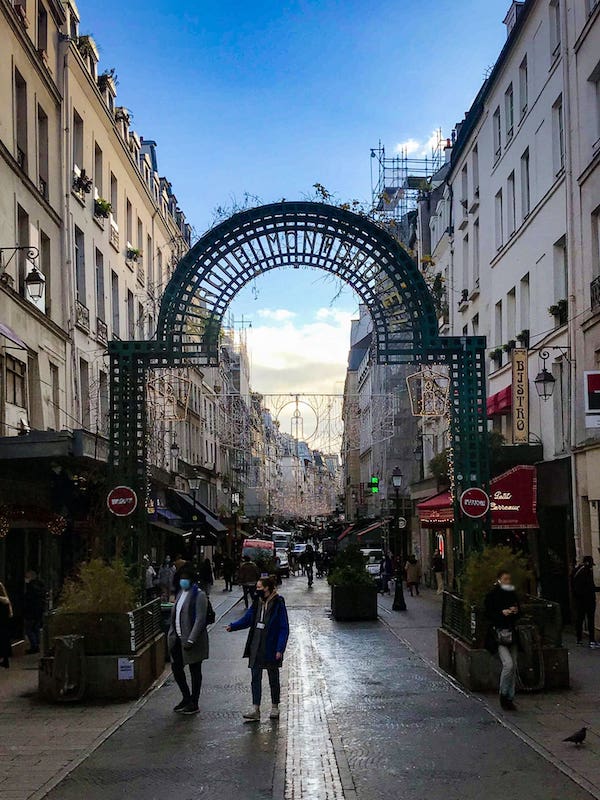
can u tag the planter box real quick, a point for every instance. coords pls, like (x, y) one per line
(354, 603)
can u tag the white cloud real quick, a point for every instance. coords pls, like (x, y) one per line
(276, 314)
(418, 147)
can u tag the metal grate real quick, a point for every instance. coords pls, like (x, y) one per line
(595, 293)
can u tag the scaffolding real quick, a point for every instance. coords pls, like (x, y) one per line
(396, 183)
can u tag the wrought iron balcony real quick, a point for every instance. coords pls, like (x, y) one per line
(113, 236)
(43, 187)
(82, 316)
(141, 272)
(21, 158)
(101, 331)
(595, 293)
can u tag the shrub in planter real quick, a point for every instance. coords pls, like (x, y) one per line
(353, 591)
(98, 588)
(481, 571)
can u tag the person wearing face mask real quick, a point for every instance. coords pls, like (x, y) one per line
(267, 620)
(502, 611)
(188, 639)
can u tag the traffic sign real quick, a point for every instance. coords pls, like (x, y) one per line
(474, 502)
(402, 522)
(122, 501)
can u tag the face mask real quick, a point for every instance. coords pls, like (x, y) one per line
(185, 584)
(508, 587)
(260, 593)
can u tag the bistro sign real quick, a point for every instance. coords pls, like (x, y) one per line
(520, 396)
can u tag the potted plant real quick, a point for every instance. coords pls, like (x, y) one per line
(107, 77)
(81, 183)
(523, 338)
(353, 591)
(102, 207)
(509, 346)
(559, 310)
(133, 253)
(496, 355)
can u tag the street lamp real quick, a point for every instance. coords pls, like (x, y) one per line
(544, 381)
(175, 454)
(399, 603)
(35, 283)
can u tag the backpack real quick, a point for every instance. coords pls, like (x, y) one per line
(210, 612)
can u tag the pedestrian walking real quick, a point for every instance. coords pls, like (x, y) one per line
(413, 574)
(6, 614)
(267, 639)
(386, 570)
(248, 574)
(308, 561)
(188, 639)
(502, 611)
(228, 570)
(437, 565)
(205, 576)
(150, 579)
(165, 578)
(218, 563)
(34, 606)
(584, 594)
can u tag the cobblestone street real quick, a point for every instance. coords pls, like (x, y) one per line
(365, 719)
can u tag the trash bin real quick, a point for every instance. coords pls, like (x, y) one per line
(68, 669)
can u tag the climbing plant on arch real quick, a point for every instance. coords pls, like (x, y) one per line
(295, 235)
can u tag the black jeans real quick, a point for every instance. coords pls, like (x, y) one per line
(228, 582)
(178, 670)
(248, 593)
(309, 574)
(585, 609)
(257, 675)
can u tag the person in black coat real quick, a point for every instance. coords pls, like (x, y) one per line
(584, 595)
(502, 611)
(5, 621)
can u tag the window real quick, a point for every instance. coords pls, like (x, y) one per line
(42, 28)
(509, 111)
(511, 314)
(55, 392)
(100, 301)
(560, 270)
(80, 265)
(98, 169)
(475, 325)
(523, 88)
(150, 263)
(114, 296)
(77, 140)
(497, 134)
(140, 234)
(524, 302)
(130, 315)
(140, 317)
(525, 185)
(84, 383)
(499, 217)
(596, 242)
(21, 119)
(476, 254)
(114, 196)
(46, 269)
(498, 324)
(42, 136)
(554, 27)
(129, 221)
(465, 266)
(103, 401)
(464, 197)
(159, 267)
(475, 171)
(15, 382)
(510, 204)
(559, 136)
(22, 241)
(594, 81)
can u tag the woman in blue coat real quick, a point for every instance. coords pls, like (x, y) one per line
(267, 620)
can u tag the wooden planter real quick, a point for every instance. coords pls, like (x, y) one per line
(354, 603)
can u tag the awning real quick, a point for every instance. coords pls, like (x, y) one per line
(169, 528)
(346, 531)
(10, 334)
(513, 498)
(197, 508)
(437, 511)
(513, 502)
(370, 528)
(168, 515)
(500, 403)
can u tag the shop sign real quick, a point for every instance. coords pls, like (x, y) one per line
(592, 398)
(122, 501)
(474, 502)
(520, 396)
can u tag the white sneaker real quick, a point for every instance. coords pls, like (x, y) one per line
(254, 715)
(274, 712)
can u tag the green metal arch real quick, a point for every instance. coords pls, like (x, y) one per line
(299, 234)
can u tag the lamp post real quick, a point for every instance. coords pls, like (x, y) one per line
(399, 601)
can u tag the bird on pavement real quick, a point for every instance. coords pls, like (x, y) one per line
(577, 738)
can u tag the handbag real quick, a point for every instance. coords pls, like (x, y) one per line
(504, 636)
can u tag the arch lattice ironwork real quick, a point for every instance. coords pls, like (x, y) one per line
(297, 234)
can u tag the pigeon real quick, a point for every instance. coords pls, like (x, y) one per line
(577, 738)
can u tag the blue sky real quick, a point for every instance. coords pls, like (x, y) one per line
(270, 97)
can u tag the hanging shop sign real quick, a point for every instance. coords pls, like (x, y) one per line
(474, 502)
(592, 398)
(520, 396)
(122, 501)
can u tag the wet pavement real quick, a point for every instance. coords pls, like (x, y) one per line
(365, 719)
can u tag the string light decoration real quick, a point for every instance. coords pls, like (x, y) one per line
(428, 391)
(57, 525)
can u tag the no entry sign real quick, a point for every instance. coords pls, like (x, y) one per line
(122, 501)
(474, 502)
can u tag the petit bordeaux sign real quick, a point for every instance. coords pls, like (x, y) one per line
(474, 503)
(122, 501)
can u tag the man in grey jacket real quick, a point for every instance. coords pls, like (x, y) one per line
(188, 639)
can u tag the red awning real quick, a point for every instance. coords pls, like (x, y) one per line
(500, 403)
(513, 501)
(370, 528)
(345, 532)
(436, 511)
(513, 498)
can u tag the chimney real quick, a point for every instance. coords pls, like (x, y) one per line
(510, 20)
(448, 151)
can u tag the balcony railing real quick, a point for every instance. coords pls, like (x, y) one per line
(82, 316)
(43, 186)
(113, 235)
(101, 331)
(141, 273)
(595, 293)
(21, 158)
